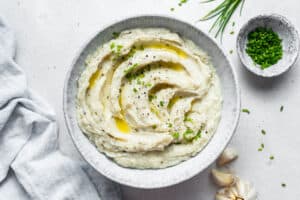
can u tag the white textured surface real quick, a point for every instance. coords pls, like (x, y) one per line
(50, 32)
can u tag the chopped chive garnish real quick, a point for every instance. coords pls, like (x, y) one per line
(175, 135)
(281, 108)
(131, 68)
(161, 103)
(187, 119)
(232, 32)
(182, 2)
(131, 53)
(134, 90)
(263, 132)
(198, 134)
(262, 146)
(231, 51)
(264, 47)
(115, 35)
(172, 9)
(271, 157)
(233, 23)
(112, 45)
(188, 134)
(148, 84)
(245, 110)
(119, 47)
(170, 125)
(283, 185)
(151, 97)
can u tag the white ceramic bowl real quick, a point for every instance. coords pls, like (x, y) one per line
(290, 44)
(156, 178)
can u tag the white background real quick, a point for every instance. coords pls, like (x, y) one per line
(49, 33)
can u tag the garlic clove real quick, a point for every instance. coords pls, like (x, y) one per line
(222, 179)
(246, 190)
(221, 197)
(228, 155)
(241, 190)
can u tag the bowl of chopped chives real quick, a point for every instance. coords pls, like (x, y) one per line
(268, 45)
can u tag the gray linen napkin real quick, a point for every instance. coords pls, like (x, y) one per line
(31, 164)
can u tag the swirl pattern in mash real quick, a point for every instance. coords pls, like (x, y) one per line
(149, 98)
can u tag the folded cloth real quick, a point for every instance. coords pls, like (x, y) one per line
(31, 164)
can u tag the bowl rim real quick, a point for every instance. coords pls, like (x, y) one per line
(272, 16)
(187, 176)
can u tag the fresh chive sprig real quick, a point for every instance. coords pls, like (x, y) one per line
(223, 12)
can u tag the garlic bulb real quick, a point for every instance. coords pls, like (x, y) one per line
(222, 179)
(228, 155)
(241, 190)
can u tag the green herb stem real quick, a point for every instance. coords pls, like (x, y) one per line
(223, 12)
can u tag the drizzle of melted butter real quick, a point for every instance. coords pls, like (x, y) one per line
(93, 79)
(167, 47)
(173, 101)
(159, 87)
(174, 66)
(120, 100)
(122, 125)
(171, 65)
(155, 110)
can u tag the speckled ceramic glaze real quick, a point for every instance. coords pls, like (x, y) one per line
(290, 44)
(187, 169)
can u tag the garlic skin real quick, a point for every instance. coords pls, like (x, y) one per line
(241, 190)
(222, 179)
(228, 155)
